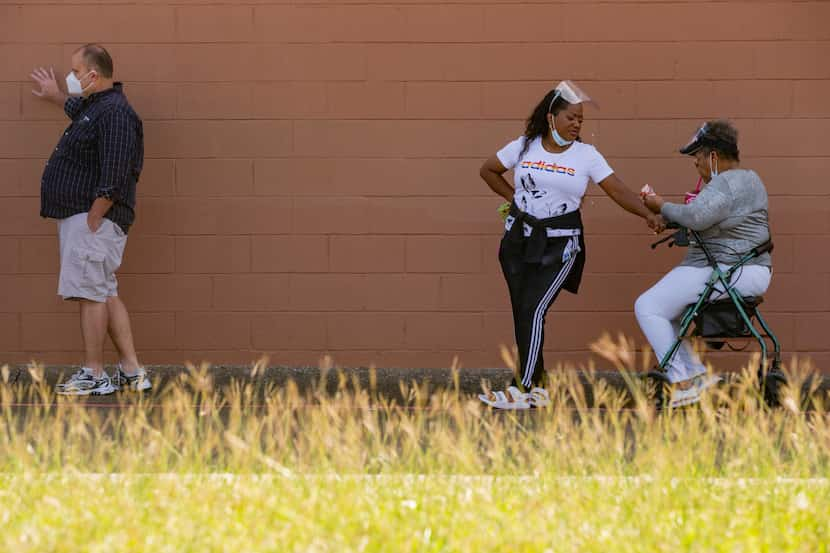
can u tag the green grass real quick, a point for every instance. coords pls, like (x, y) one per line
(435, 513)
(199, 470)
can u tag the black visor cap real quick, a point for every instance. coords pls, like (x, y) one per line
(697, 141)
(690, 148)
(701, 139)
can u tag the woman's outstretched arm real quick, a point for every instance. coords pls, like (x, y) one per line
(629, 201)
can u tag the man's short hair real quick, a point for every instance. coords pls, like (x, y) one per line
(96, 57)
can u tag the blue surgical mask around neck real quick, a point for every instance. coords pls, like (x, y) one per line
(558, 138)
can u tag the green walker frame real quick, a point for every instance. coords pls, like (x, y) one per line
(770, 376)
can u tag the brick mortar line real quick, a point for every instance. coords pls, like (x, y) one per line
(381, 42)
(649, 80)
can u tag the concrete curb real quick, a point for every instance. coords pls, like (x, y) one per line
(386, 382)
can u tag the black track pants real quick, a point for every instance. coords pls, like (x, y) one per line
(533, 288)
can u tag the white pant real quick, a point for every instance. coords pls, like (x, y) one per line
(660, 307)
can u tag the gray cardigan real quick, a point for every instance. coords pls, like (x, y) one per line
(731, 215)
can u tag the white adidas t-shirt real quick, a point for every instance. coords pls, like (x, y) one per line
(549, 184)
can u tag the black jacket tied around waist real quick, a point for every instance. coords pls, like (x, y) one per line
(543, 249)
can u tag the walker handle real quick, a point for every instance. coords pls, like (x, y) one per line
(763, 248)
(669, 237)
(679, 237)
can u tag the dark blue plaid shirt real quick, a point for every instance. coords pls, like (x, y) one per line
(100, 155)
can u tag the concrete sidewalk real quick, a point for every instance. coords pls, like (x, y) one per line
(385, 382)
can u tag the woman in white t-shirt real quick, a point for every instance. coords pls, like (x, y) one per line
(543, 249)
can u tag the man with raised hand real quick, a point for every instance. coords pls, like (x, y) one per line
(89, 186)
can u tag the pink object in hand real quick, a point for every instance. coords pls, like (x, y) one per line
(693, 194)
(646, 190)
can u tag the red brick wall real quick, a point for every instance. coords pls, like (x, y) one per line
(312, 183)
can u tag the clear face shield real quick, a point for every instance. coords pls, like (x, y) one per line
(571, 93)
(697, 141)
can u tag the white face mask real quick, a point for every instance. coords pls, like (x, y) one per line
(73, 84)
(713, 170)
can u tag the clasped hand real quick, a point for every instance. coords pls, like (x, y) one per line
(654, 203)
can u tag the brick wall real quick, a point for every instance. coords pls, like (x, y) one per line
(312, 186)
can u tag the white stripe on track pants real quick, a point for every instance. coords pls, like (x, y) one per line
(533, 288)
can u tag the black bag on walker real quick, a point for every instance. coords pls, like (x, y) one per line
(722, 319)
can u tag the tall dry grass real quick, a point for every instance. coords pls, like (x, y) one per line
(350, 470)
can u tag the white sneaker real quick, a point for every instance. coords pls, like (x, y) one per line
(81, 374)
(512, 398)
(86, 384)
(139, 382)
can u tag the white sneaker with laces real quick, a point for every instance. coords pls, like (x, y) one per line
(81, 374)
(87, 385)
(138, 382)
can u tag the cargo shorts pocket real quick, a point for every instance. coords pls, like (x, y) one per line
(90, 271)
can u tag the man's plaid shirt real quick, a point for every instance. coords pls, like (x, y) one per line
(100, 155)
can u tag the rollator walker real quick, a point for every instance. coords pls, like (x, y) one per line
(719, 322)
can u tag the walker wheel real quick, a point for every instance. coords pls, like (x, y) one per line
(771, 386)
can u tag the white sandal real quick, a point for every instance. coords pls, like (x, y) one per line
(688, 394)
(538, 397)
(512, 399)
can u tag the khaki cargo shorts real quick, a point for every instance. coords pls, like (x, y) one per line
(89, 260)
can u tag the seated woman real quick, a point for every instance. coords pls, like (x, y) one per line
(730, 212)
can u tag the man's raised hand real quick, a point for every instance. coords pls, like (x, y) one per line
(49, 89)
